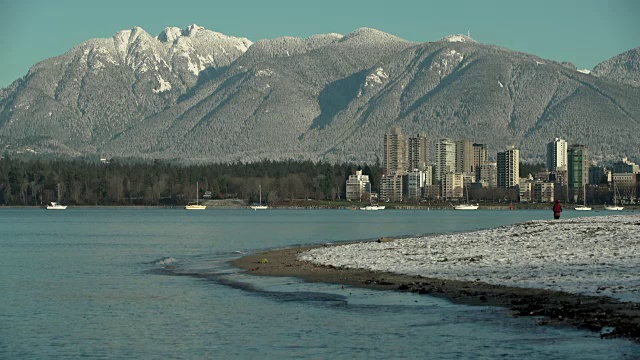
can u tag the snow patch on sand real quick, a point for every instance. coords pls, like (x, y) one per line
(591, 255)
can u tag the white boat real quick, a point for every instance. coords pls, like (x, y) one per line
(55, 205)
(260, 206)
(197, 205)
(615, 206)
(373, 207)
(467, 206)
(584, 206)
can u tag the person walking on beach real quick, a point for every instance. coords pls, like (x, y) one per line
(557, 209)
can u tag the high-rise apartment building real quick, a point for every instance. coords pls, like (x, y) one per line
(418, 152)
(464, 156)
(557, 155)
(578, 168)
(395, 153)
(445, 158)
(479, 156)
(416, 180)
(508, 168)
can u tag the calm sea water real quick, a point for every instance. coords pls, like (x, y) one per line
(84, 283)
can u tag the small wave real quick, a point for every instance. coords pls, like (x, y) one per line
(164, 261)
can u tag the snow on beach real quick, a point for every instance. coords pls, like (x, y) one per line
(591, 256)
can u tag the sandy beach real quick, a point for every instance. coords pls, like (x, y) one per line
(566, 303)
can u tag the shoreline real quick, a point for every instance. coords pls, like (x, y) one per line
(610, 317)
(215, 204)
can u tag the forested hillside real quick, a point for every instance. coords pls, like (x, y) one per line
(200, 97)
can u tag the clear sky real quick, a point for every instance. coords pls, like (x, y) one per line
(584, 32)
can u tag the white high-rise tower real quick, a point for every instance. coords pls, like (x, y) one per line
(557, 155)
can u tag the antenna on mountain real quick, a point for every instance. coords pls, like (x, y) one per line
(468, 33)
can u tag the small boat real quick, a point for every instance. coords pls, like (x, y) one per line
(373, 207)
(467, 206)
(615, 206)
(55, 205)
(584, 206)
(260, 206)
(197, 205)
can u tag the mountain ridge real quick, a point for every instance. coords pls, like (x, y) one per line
(326, 97)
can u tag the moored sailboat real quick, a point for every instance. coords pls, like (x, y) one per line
(260, 206)
(615, 206)
(584, 206)
(467, 205)
(197, 205)
(56, 205)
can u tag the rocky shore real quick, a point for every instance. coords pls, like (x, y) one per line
(607, 315)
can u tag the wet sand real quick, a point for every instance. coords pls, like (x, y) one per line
(608, 316)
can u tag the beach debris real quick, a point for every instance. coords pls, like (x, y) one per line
(264, 261)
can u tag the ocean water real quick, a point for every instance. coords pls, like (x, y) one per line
(85, 283)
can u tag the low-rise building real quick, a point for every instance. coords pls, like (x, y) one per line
(524, 190)
(596, 174)
(625, 167)
(358, 186)
(487, 174)
(431, 192)
(391, 188)
(452, 186)
(626, 184)
(542, 191)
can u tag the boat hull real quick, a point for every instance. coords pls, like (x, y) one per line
(195, 207)
(56, 206)
(373, 207)
(466, 207)
(614, 208)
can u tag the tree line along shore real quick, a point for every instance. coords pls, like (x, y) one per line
(165, 183)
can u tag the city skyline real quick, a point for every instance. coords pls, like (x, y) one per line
(584, 33)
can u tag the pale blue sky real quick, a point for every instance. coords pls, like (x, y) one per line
(584, 32)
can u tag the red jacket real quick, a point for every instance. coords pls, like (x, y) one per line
(557, 208)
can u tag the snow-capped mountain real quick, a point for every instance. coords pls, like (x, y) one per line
(624, 67)
(104, 86)
(199, 95)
